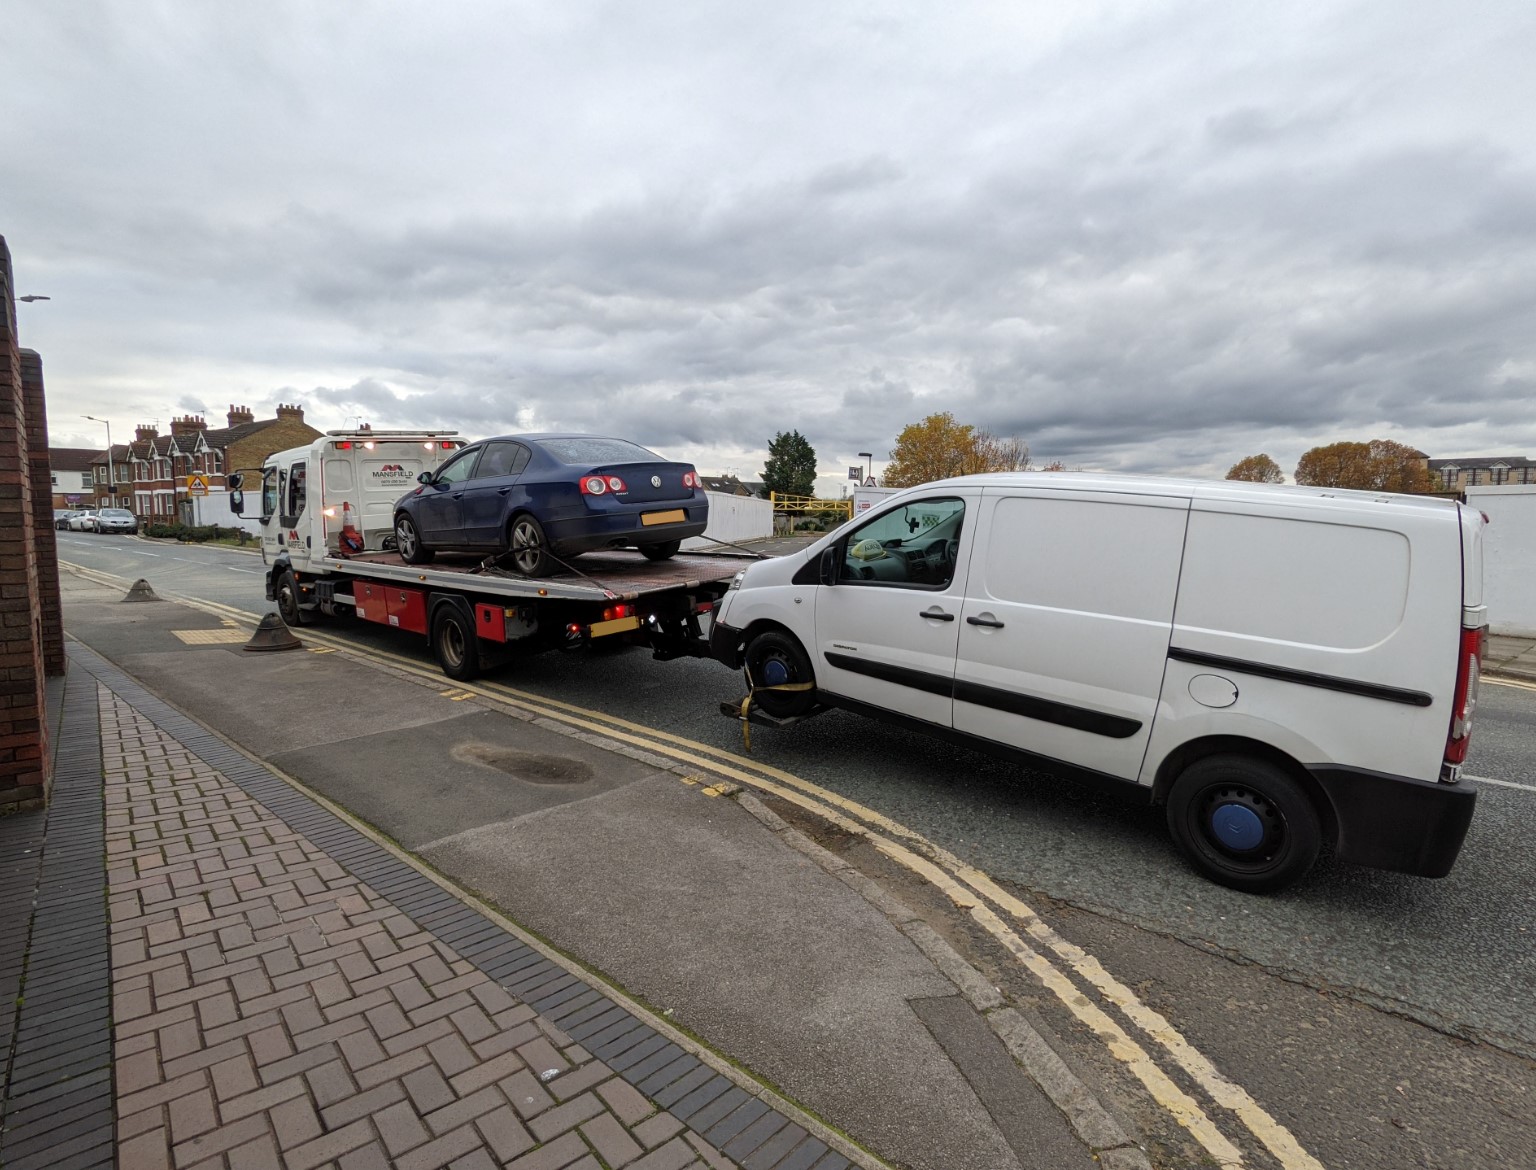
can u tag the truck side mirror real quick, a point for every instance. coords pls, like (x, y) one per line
(828, 567)
(237, 502)
(234, 481)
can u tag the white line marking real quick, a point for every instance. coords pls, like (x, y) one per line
(1500, 783)
(232, 569)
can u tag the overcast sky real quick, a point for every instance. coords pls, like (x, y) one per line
(1150, 236)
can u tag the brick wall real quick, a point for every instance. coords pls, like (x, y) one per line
(252, 451)
(42, 512)
(23, 729)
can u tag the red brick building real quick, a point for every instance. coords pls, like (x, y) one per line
(151, 473)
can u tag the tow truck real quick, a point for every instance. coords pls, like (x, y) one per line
(327, 540)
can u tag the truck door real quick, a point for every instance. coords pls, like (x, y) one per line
(886, 632)
(488, 495)
(1066, 623)
(294, 516)
(272, 484)
(441, 507)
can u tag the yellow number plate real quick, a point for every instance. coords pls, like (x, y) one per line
(676, 516)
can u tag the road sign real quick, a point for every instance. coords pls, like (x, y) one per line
(855, 474)
(870, 482)
(197, 485)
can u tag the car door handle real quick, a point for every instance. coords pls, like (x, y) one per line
(502, 491)
(458, 495)
(986, 621)
(936, 614)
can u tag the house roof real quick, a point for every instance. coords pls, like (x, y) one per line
(72, 458)
(1480, 461)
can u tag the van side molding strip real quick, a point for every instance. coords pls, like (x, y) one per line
(1029, 706)
(1305, 678)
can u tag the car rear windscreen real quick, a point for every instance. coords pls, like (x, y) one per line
(590, 450)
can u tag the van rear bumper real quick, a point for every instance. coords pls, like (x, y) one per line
(1393, 822)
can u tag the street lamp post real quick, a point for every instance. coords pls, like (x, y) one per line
(111, 485)
(869, 456)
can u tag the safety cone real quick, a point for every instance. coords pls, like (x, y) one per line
(140, 591)
(272, 634)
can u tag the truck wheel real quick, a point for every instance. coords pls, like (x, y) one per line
(456, 644)
(529, 549)
(288, 607)
(772, 659)
(661, 552)
(1244, 823)
(408, 542)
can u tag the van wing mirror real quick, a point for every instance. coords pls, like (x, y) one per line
(828, 567)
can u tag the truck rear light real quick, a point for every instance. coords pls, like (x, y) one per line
(613, 612)
(344, 445)
(1469, 670)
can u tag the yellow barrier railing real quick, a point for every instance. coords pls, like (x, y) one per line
(802, 505)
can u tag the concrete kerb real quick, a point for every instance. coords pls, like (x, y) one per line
(1089, 1118)
(812, 1124)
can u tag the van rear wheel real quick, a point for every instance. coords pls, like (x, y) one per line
(774, 658)
(1244, 823)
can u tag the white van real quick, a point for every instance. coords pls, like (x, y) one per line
(1283, 667)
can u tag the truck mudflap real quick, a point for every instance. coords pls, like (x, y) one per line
(1394, 822)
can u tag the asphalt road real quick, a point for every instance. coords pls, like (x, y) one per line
(1457, 954)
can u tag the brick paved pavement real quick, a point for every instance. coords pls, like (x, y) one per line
(272, 1009)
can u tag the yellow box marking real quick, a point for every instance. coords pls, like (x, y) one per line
(210, 637)
(675, 516)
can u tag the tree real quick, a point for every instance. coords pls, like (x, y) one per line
(939, 447)
(1256, 469)
(791, 466)
(1378, 466)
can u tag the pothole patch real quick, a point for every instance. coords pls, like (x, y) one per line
(530, 767)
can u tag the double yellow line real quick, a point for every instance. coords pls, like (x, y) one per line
(1051, 959)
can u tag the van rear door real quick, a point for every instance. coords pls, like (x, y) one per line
(1066, 622)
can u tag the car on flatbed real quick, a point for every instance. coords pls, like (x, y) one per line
(542, 499)
(329, 542)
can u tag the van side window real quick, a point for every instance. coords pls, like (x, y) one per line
(914, 545)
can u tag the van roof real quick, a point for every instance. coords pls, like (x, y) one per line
(1205, 489)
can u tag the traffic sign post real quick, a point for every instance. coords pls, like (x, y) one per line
(197, 485)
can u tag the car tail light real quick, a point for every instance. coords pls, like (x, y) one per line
(691, 479)
(598, 485)
(1469, 670)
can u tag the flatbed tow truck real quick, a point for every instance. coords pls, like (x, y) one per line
(327, 530)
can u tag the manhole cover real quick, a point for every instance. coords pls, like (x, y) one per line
(532, 767)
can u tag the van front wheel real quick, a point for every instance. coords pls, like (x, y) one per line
(1244, 823)
(774, 659)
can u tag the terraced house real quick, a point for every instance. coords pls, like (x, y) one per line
(153, 474)
(1482, 471)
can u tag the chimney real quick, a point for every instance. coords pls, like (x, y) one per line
(189, 425)
(295, 413)
(239, 415)
(145, 433)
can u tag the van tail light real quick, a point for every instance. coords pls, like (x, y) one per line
(1469, 670)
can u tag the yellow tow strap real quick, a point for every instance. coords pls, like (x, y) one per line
(746, 703)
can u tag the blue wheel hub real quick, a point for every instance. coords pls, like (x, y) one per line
(775, 673)
(1237, 827)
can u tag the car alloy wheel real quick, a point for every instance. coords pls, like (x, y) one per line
(530, 551)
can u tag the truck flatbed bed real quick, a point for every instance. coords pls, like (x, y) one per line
(620, 575)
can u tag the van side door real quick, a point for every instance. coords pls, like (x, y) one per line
(886, 631)
(1067, 618)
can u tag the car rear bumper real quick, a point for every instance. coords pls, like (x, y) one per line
(1396, 823)
(618, 529)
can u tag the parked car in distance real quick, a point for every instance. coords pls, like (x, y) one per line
(1282, 668)
(81, 520)
(115, 520)
(61, 517)
(544, 497)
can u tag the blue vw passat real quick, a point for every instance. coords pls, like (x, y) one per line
(542, 497)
